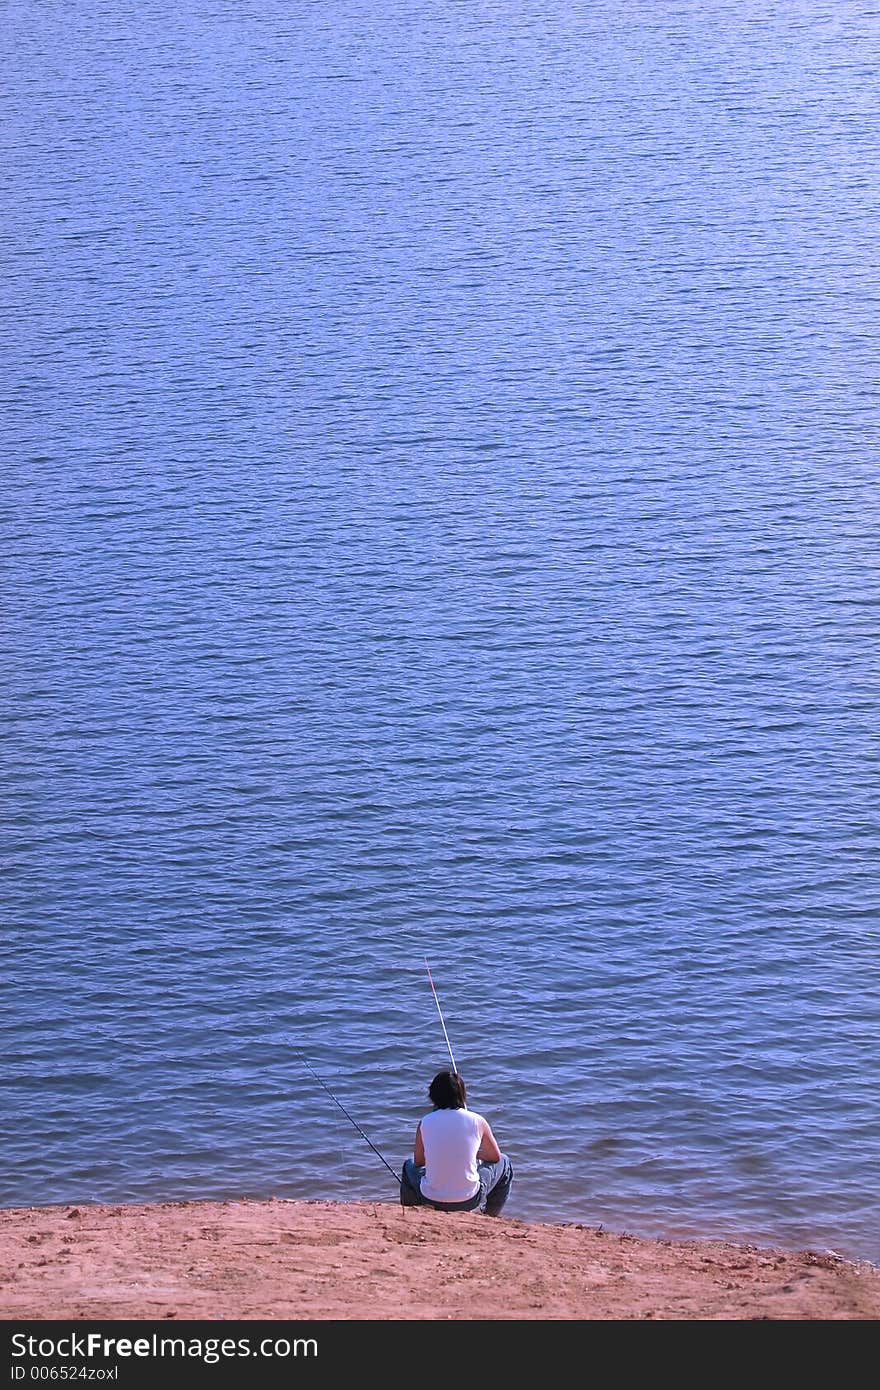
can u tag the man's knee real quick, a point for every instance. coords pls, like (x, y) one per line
(410, 1185)
(497, 1194)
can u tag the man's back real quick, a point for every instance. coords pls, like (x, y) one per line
(452, 1140)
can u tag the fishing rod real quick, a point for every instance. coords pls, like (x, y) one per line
(440, 1012)
(350, 1118)
(338, 1102)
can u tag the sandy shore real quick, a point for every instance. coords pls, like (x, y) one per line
(313, 1260)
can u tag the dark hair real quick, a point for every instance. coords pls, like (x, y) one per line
(447, 1091)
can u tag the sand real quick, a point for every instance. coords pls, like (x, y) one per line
(376, 1261)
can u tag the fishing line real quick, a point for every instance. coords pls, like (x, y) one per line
(350, 1118)
(440, 1012)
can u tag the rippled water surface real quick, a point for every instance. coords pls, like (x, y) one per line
(440, 519)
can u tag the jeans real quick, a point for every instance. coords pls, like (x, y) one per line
(495, 1181)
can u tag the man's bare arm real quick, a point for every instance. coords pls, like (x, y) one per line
(488, 1149)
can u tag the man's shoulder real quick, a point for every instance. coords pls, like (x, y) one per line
(464, 1111)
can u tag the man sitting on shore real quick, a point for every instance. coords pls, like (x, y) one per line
(456, 1164)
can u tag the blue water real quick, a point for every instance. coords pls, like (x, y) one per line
(440, 519)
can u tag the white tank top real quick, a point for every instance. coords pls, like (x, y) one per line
(451, 1139)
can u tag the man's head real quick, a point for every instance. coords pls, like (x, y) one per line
(447, 1091)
